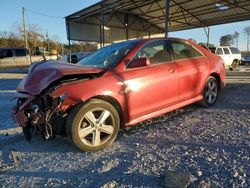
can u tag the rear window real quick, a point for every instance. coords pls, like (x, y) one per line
(20, 52)
(184, 50)
(6, 53)
(234, 50)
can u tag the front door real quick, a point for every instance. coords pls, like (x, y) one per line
(152, 87)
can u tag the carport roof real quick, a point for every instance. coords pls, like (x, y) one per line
(183, 14)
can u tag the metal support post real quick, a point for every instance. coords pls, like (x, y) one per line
(102, 29)
(167, 18)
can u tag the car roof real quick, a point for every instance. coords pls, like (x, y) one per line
(163, 38)
(226, 47)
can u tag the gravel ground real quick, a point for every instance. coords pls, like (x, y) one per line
(212, 144)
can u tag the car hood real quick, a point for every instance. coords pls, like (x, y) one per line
(42, 74)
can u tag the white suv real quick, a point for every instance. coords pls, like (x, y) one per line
(230, 55)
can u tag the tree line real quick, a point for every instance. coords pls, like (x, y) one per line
(230, 39)
(39, 41)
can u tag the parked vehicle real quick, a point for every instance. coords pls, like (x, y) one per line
(230, 55)
(119, 85)
(13, 57)
(19, 57)
(245, 60)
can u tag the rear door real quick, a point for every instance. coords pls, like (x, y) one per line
(21, 58)
(193, 68)
(7, 59)
(152, 87)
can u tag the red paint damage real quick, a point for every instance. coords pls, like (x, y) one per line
(42, 74)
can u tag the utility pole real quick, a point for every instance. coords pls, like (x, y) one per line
(207, 32)
(47, 40)
(24, 29)
(248, 42)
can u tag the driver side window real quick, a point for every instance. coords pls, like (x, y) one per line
(156, 51)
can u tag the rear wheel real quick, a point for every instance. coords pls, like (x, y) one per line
(94, 125)
(210, 92)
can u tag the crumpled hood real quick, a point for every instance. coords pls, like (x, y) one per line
(42, 74)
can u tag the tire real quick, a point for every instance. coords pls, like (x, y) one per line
(233, 66)
(93, 126)
(210, 92)
(29, 131)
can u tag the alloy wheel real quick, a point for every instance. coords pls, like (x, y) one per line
(96, 127)
(211, 92)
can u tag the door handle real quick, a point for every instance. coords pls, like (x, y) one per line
(171, 70)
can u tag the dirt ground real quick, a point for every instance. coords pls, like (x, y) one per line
(212, 144)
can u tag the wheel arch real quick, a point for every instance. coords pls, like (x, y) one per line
(217, 76)
(236, 60)
(114, 103)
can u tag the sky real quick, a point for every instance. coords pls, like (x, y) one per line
(11, 15)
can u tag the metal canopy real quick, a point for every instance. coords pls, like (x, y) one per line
(116, 20)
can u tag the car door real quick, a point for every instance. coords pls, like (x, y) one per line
(21, 58)
(153, 87)
(193, 69)
(7, 59)
(220, 52)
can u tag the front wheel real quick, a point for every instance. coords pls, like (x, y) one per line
(94, 125)
(210, 92)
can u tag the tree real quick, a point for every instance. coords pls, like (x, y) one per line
(10, 40)
(247, 32)
(236, 37)
(39, 40)
(34, 37)
(226, 40)
(205, 44)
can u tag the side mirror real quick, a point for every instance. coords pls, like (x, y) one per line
(139, 62)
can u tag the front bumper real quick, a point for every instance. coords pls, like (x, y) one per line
(19, 117)
(17, 113)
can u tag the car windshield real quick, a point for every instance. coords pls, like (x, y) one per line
(109, 56)
(234, 50)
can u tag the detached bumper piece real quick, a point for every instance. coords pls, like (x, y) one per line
(19, 117)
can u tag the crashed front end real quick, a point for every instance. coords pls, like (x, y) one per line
(39, 114)
(36, 109)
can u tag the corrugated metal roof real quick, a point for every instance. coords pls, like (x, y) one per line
(149, 16)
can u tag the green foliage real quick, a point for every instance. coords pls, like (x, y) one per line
(39, 40)
(226, 40)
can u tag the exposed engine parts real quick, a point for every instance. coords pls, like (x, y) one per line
(41, 116)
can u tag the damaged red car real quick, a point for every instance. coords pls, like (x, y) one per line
(119, 85)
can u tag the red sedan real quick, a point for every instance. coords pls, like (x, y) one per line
(119, 85)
